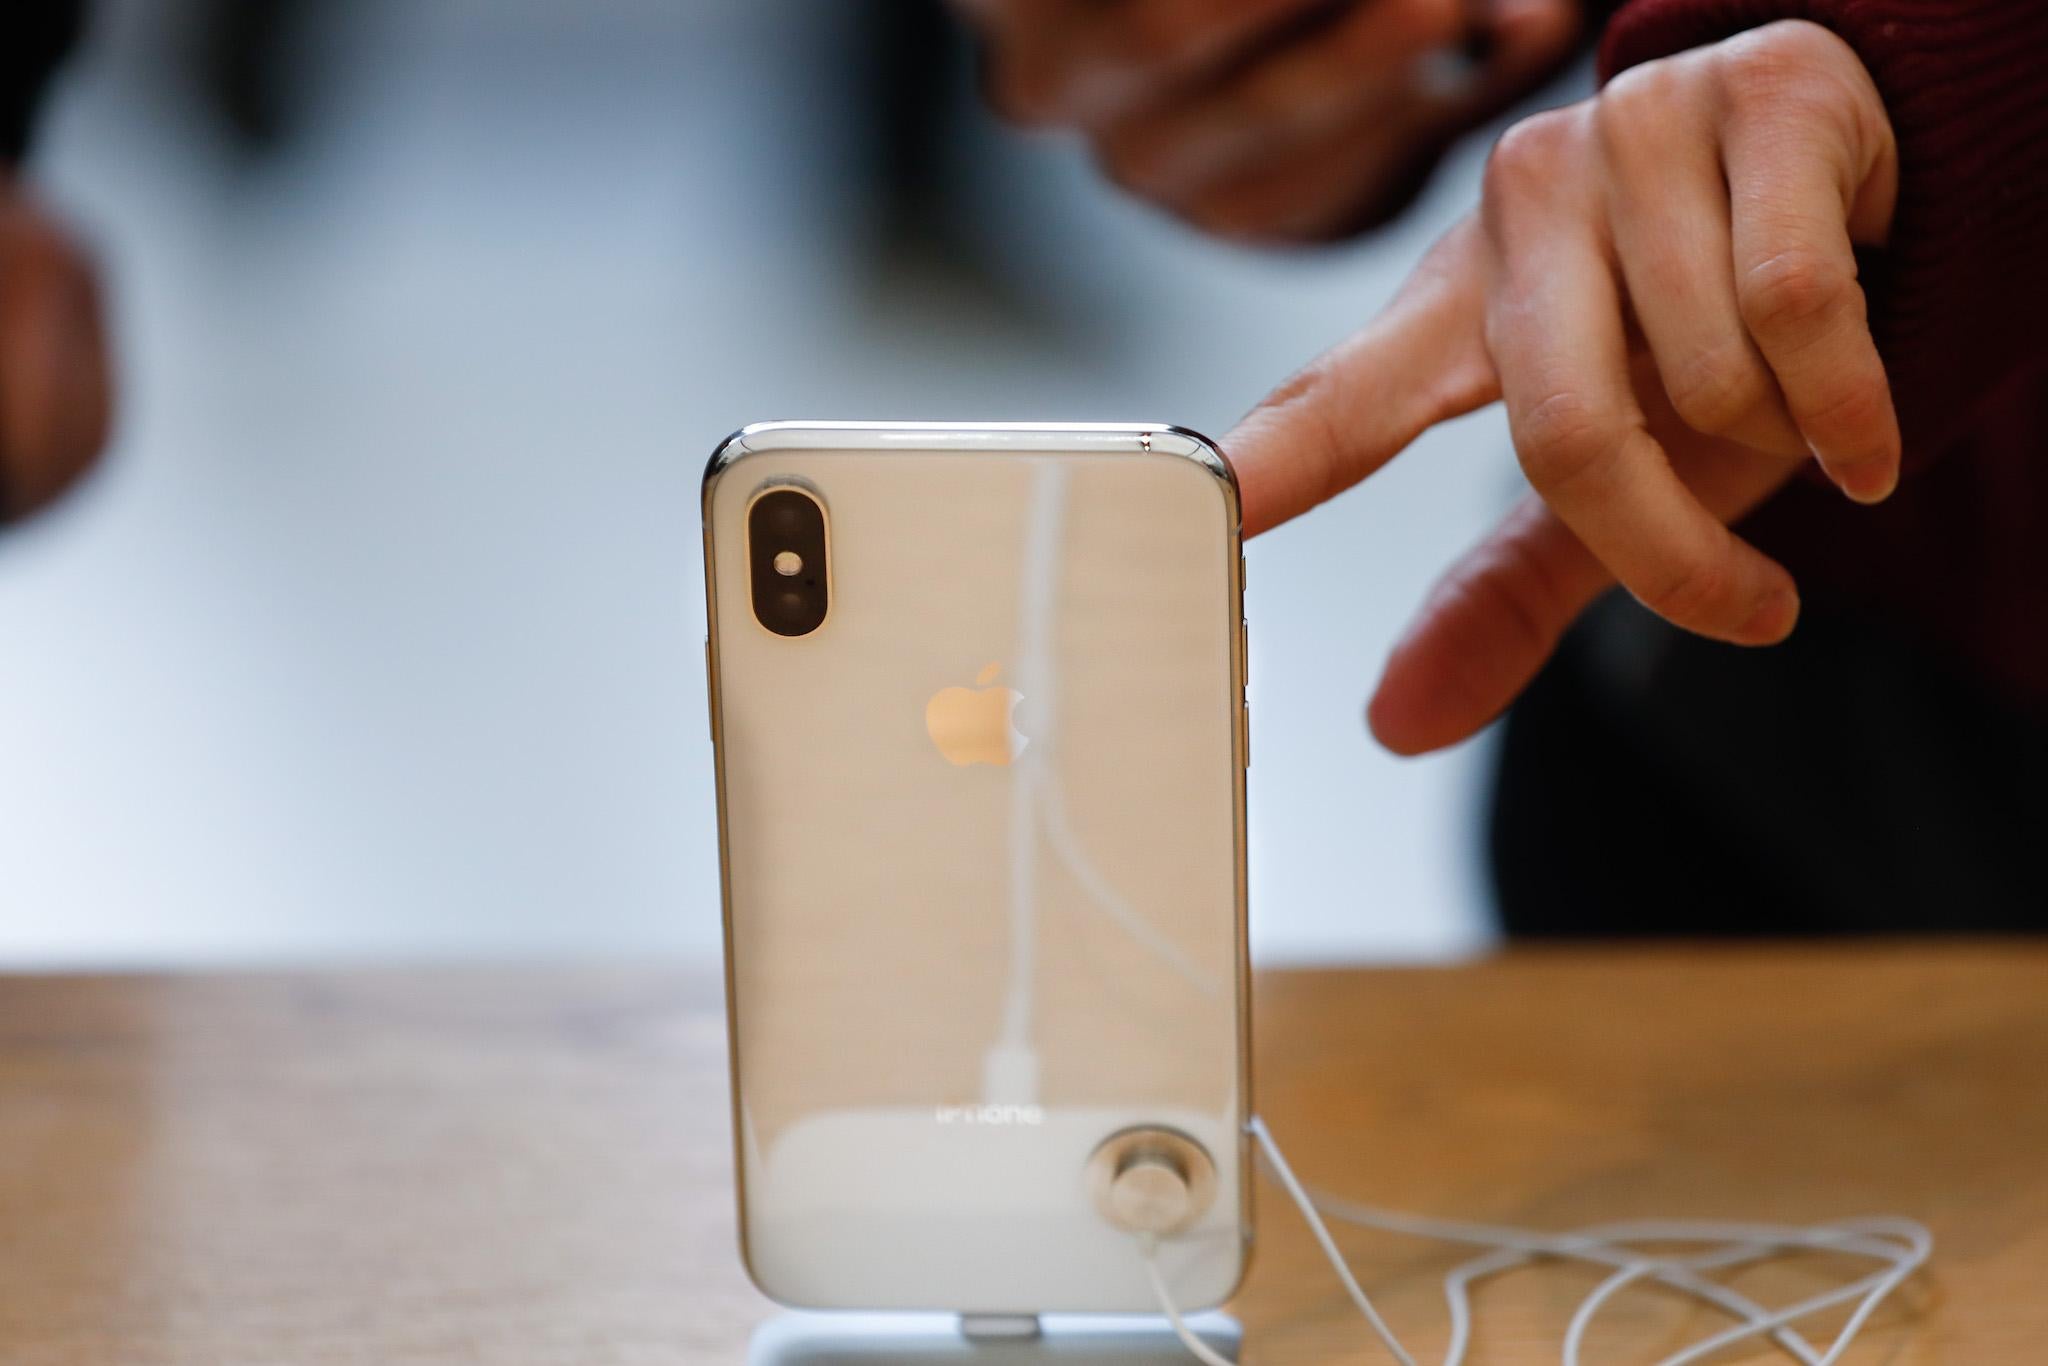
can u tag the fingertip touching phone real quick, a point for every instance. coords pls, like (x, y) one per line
(977, 701)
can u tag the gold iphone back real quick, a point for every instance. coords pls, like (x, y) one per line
(983, 846)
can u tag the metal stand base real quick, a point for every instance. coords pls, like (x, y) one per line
(794, 1339)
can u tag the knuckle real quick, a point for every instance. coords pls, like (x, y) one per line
(1786, 44)
(1792, 290)
(1301, 389)
(1488, 624)
(1792, 61)
(1641, 87)
(1528, 156)
(1697, 593)
(1760, 61)
(1714, 389)
(1856, 408)
(1559, 439)
(1526, 596)
(1303, 406)
(1635, 106)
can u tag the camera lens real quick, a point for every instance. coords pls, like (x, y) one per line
(787, 562)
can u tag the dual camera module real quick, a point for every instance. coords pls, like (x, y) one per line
(786, 563)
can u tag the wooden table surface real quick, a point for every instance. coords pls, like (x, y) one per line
(531, 1166)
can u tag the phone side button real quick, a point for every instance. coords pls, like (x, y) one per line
(710, 696)
(1245, 718)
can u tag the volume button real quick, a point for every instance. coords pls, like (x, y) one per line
(1244, 645)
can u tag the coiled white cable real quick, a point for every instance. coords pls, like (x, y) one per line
(1903, 1245)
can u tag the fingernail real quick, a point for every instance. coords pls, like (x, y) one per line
(1773, 619)
(1869, 483)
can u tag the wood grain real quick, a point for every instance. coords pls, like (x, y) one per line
(531, 1166)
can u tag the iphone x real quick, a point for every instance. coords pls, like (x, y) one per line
(978, 708)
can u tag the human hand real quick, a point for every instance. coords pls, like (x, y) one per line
(54, 391)
(1660, 284)
(1266, 119)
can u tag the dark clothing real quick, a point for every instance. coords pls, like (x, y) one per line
(1655, 783)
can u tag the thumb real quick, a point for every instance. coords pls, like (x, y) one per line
(1494, 619)
(1486, 628)
(1356, 407)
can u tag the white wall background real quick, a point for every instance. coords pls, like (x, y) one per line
(379, 635)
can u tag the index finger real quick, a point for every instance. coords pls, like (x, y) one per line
(1358, 405)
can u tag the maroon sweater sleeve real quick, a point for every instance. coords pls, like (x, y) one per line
(1959, 296)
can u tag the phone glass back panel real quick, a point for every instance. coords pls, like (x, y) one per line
(982, 835)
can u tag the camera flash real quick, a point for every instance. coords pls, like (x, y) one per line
(788, 563)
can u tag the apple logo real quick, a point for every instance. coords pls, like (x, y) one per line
(975, 725)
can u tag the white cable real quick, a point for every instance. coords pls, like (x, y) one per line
(1874, 1290)
(1457, 1293)
(1843, 1237)
(1632, 1271)
(1200, 1350)
(1329, 1244)
(1598, 1244)
(1902, 1244)
(1841, 1295)
(1010, 1068)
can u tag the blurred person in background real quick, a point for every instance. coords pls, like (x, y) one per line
(54, 396)
(1781, 273)
(1784, 272)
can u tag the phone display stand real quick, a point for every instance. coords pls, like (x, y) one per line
(811, 1339)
